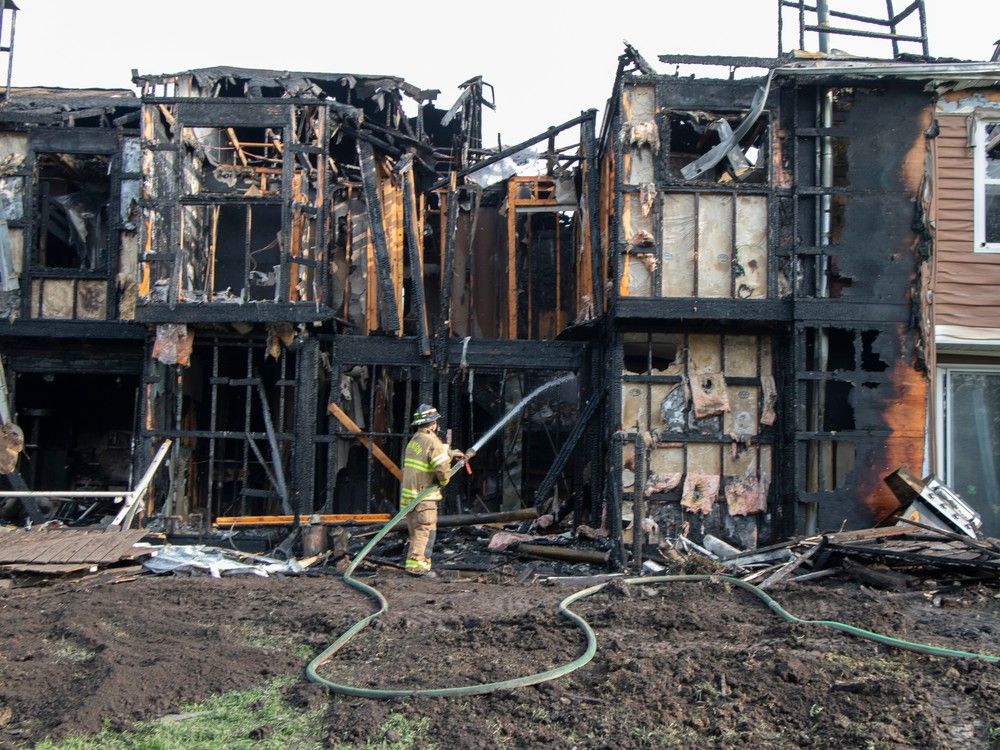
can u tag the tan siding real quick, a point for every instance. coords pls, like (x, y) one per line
(966, 281)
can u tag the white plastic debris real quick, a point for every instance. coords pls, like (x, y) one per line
(217, 562)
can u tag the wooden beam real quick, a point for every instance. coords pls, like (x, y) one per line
(239, 148)
(413, 243)
(511, 261)
(350, 424)
(389, 318)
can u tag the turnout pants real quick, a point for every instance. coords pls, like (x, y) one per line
(422, 526)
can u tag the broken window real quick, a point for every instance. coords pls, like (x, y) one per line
(541, 233)
(987, 177)
(72, 198)
(969, 415)
(694, 134)
(243, 258)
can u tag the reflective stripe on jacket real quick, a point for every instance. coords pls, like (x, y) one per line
(425, 464)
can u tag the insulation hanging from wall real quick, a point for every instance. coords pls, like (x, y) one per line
(747, 495)
(700, 492)
(173, 345)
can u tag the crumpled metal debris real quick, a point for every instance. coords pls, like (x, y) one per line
(217, 562)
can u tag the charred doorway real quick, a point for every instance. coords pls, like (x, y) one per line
(78, 429)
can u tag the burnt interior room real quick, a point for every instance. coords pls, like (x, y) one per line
(507, 471)
(246, 248)
(69, 443)
(231, 469)
(73, 196)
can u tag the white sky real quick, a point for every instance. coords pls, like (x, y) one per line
(548, 59)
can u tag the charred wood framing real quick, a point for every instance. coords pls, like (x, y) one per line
(306, 402)
(387, 297)
(593, 193)
(581, 425)
(448, 260)
(415, 256)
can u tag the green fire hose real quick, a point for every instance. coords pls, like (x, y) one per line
(564, 609)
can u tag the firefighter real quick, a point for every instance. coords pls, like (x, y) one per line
(426, 463)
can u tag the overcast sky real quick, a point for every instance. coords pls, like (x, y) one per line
(548, 59)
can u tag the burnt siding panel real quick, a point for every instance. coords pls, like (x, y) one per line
(876, 253)
(885, 153)
(966, 281)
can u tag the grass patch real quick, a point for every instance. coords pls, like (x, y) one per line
(69, 651)
(258, 718)
(993, 735)
(255, 636)
(895, 666)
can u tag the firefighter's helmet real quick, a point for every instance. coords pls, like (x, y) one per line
(425, 415)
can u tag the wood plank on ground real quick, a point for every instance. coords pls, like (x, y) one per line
(67, 546)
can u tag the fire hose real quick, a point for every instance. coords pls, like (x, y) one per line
(564, 609)
(588, 632)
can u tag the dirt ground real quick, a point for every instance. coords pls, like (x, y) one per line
(679, 665)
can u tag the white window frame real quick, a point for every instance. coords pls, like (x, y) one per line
(943, 430)
(979, 182)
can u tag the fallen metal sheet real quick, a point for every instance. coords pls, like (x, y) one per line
(40, 546)
(706, 161)
(217, 562)
(931, 501)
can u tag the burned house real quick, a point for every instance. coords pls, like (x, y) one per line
(272, 269)
(773, 244)
(279, 289)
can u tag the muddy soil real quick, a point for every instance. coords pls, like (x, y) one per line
(679, 665)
